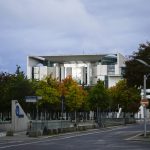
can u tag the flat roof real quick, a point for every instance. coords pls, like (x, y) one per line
(71, 58)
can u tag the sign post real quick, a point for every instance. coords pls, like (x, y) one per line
(34, 99)
(144, 102)
(144, 96)
(31, 99)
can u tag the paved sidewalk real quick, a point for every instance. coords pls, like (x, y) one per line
(17, 135)
(23, 137)
(140, 137)
(2, 134)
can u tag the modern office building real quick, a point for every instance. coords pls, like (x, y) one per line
(85, 69)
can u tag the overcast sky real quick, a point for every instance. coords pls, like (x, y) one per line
(56, 27)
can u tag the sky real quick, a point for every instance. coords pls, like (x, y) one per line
(67, 27)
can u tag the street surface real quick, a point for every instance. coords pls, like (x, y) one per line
(117, 138)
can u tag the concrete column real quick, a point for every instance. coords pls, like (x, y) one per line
(88, 73)
(57, 71)
(82, 75)
(62, 72)
(19, 119)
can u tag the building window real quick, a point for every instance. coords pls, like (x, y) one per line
(111, 69)
(109, 60)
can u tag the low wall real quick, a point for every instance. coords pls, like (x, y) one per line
(6, 125)
(61, 126)
(56, 124)
(19, 120)
(106, 122)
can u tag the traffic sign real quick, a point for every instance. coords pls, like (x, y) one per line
(31, 99)
(145, 102)
(147, 94)
(147, 91)
(17, 110)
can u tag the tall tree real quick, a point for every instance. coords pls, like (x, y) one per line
(75, 96)
(135, 70)
(98, 96)
(48, 89)
(5, 101)
(126, 97)
(13, 87)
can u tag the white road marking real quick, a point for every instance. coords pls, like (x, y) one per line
(130, 138)
(11, 142)
(63, 138)
(2, 134)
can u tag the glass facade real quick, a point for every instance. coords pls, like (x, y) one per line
(77, 71)
(109, 60)
(111, 69)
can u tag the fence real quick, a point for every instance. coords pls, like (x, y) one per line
(106, 122)
(62, 124)
(5, 125)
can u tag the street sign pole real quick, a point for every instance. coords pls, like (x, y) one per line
(145, 78)
(34, 99)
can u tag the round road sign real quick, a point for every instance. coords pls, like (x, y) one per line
(145, 102)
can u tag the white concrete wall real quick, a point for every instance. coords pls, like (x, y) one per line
(43, 72)
(117, 69)
(94, 71)
(82, 75)
(51, 71)
(57, 72)
(18, 124)
(120, 61)
(112, 80)
(31, 63)
(94, 74)
(101, 70)
(68, 71)
(62, 72)
(89, 73)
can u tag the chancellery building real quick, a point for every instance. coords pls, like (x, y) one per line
(85, 69)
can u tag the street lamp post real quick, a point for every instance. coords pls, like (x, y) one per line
(144, 96)
(62, 106)
(62, 110)
(145, 116)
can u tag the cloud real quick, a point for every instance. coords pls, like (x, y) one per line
(33, 20)
(53, 27)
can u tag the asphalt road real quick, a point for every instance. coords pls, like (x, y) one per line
(118, 138)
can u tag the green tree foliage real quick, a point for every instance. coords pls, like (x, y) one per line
(48, 89)
(98, 96)
(75, 96)
(13, 87)
(126, 97)
(4, 91)
(135, 70)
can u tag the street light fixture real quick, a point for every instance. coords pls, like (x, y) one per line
(143, 62)
(144, 96)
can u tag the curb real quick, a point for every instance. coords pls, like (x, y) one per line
(134, 137)
(139, 138)
(2, 134)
